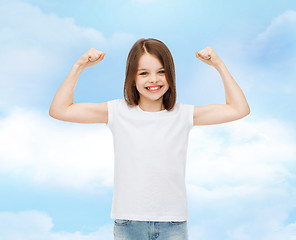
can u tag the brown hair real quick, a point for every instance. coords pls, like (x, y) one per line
(160, 50)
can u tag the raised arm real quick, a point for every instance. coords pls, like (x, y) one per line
(236, 106)
(62, 106)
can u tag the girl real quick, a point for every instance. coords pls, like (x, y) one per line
(150, 135)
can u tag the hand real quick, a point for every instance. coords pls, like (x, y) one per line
(90, 58)
(208, 56)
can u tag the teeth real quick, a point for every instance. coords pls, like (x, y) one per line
(153, 88)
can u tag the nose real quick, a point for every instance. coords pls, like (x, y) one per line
(153, 78)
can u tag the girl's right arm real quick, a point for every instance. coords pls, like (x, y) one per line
(62, 106)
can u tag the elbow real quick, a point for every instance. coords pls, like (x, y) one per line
(243, 113)
(246, 112)
(56, 114)
(50, 112)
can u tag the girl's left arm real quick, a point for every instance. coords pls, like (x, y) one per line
(236, 106)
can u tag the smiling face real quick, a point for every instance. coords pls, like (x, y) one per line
(151, 73)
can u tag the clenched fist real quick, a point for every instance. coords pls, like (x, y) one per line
(208, 56)
(90, 58)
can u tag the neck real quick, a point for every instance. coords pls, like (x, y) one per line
(149, 107)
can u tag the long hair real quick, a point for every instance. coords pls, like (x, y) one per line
(160, 50)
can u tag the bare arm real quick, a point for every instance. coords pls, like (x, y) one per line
(65, 94)
(236, 106)
(233, 93)
(62, 107)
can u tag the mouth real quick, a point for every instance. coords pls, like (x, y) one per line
(154, 88)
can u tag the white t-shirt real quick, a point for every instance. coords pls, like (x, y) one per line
(150, 151)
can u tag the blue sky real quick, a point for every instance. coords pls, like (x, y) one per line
(56, 178)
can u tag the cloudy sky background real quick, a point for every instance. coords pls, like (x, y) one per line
(56, 178)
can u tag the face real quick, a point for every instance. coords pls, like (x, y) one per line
(151, 73)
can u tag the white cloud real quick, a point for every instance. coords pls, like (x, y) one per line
(26, 222)
(264, 67)
(44, 150)
(240, 180)
(239, 175)
(36, 47)
(281, 25)
(276, 44)
(257, 151)
(35, 225)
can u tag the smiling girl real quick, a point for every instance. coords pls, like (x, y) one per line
(150, 136)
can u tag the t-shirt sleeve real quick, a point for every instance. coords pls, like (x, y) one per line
(188, 111)
(112, 108)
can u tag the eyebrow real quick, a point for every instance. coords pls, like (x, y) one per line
(146, 69)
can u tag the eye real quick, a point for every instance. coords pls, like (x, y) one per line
(144, 73)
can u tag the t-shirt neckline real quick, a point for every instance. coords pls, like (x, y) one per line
(158, 112)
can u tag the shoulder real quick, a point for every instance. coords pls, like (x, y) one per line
(119, 104)
(187, 112)
(185, 106)
(116, 102)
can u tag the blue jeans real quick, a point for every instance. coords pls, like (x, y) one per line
(148, 230)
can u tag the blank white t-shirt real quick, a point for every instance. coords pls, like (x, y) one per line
(150, 151)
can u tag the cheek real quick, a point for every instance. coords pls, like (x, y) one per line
(167, 87)
(167, 84)
(140, 83)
